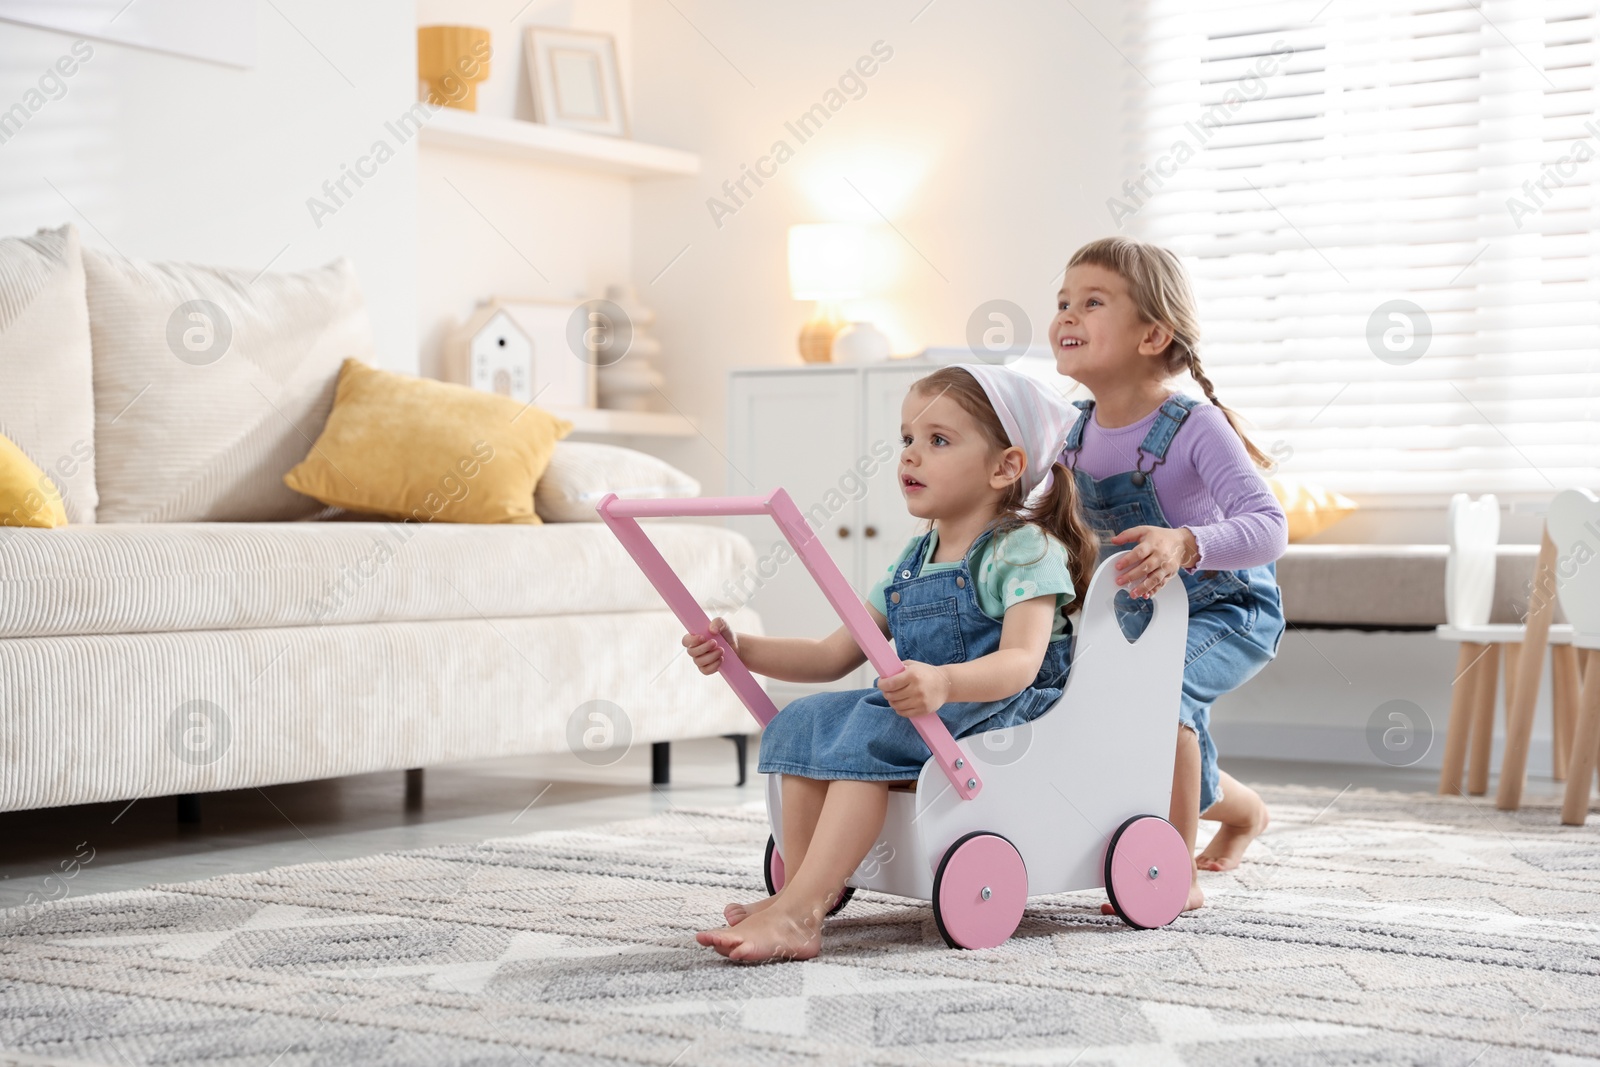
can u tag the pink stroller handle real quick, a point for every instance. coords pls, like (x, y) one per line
(622, 515)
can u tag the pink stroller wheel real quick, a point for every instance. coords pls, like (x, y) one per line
(772, 871)
(1147, 872)
(980, 891)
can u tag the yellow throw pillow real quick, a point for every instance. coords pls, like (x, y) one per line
(1310, 508)
(414, 448)
(27, 496)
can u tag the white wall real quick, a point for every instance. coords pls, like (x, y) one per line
(490, 226)
(164, 157)
(988, 140)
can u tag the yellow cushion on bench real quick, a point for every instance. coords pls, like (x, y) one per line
(1310, 508)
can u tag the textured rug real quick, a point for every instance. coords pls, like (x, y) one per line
(1366, 927)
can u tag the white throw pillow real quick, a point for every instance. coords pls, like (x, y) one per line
(46, 375)
(210, 383)
(580, 473)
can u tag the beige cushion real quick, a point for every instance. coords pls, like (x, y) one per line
(580, 473)
(118, 578)
(46, 377)
(1383, 586)
(210, 383)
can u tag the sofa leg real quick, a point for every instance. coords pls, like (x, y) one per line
(741, 747)
(414, 789)
(661, 763)
(189, 808)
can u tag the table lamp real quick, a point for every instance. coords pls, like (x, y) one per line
(826, 264)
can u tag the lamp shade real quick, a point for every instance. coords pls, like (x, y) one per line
(826, 261)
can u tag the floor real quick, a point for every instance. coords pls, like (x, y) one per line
(97, 848)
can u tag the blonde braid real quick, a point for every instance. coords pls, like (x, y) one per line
(1258, 457)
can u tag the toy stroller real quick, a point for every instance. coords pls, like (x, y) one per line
(1067, 801)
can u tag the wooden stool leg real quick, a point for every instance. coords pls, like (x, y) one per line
(1483, 693)
(1563, 704)
(1585, 742)
(1591, 657)
(1510, 670)
(1587, 658)
(1510, 667)
(1519, 715)
(1456, 733)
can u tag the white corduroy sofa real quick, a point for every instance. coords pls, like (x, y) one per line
(147, 650)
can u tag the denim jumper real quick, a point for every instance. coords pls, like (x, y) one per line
(1235, 617)
(933, 618)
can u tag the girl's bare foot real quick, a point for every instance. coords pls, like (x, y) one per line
(1227, 847)
(1197, 899)
(738, 913)
(769, 934)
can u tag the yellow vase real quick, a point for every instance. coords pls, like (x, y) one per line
(453, 60)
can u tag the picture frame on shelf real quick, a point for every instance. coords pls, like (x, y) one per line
(575, 80)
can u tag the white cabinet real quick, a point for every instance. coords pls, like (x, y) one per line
(830, 435)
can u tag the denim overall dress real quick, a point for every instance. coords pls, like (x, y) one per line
(933, 618)
(1235, 617)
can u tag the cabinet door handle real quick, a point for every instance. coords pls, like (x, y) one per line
(844, 531)
(871, 531)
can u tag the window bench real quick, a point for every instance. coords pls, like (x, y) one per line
(1389, 587)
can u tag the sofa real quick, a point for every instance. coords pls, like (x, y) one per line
(197, 626)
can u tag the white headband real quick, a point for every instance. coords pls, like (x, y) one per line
(1035, 417)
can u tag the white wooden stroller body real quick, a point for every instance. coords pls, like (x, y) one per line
(1075, 799)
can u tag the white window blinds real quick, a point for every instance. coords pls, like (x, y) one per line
(1326, 170)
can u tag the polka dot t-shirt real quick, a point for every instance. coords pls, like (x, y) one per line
(1002, 573)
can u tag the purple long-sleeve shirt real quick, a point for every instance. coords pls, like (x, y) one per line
(1208, 483)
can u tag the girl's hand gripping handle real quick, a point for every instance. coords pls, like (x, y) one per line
(704, 649)
(935, 734)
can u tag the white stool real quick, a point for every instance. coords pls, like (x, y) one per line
(1474, 531)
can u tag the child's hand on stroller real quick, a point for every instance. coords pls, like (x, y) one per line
(704, 651)
(919, 689)
(1157, 555)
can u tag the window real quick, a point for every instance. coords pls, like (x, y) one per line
(1389, 211)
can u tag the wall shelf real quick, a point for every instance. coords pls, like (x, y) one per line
(538, 143)
(602, 420)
